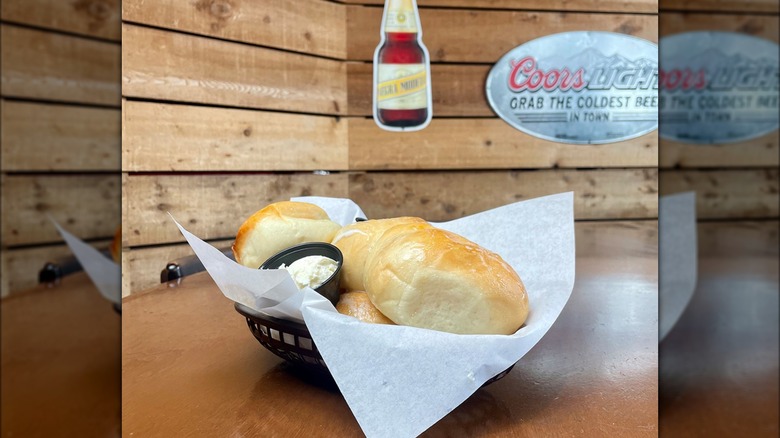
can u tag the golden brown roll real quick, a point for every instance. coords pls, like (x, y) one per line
(357, 304)
(355, 242)
(278, 227)
(116, 245)
(435, 279)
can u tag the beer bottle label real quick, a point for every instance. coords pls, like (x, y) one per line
(400, 17)
(401, 86)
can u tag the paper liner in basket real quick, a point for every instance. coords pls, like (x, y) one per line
(398, 381)
(104, 272)
(677, 254)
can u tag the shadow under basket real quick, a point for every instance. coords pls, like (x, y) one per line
(292, 342)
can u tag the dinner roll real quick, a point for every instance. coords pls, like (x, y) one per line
(278, 227)
(435, 279)
(357, 304)
(355, 242)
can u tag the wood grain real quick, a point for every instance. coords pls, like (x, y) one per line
(485, 143)
(44, 137)
(168, 137)
(21, 266)
(461, 35)
(457, 91)
(141, 266)
(735, 239)
(720, 5)
(308, 26)
(440, 196)
(85, 205)
(172, 66)
(645, 6)
(629, 239)
(758, 152)
(723, 194)
(51, 66)
(97, 18)
(211, 206)
(762, 26)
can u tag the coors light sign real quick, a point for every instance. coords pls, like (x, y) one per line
(402, 91)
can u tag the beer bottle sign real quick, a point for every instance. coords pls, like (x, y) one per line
(402, 83)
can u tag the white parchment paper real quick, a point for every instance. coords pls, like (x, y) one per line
(677, 254)
(104, 272)
(400, 380)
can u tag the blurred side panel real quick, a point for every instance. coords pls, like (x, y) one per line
(59, 143)
(719, 364)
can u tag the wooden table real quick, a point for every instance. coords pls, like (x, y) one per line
(60, 362)
(192, 368)
(719, 364)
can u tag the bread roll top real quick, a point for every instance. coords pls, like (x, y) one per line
(430, 278)
(278, 227)
(356, 241)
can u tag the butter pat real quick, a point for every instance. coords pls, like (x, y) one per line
(311, 271)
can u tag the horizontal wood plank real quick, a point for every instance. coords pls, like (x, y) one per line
(485, 143)
(308, 26)
(166, 65)
(165, 137)
(461, 35)
(21, 266)
(46, 65)
(727, 194)
(638, 238)
(720, 5)
(97, 18)
(169, 137)
(762, 26)
(759, 152)
(44, 137)
(440, 196)
(85, 205)
(645, 6)
(733, 239)
(457, 90)
(210, 206)
(141, 266)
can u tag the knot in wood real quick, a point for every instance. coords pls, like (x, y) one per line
(221, 9)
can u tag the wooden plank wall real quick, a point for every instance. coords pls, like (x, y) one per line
(231, 105)
(60, 115)
(736, 184)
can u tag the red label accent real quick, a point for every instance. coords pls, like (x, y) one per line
(525, 75)
(684, 79)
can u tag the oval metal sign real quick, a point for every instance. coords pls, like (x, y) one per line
(578, 87)
(717, 87)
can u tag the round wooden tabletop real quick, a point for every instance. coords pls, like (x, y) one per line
(192, 368)
(60, 362)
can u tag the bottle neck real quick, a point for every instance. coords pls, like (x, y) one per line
(401, 38)
(400, 16)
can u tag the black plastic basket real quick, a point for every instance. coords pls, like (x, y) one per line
(292, 342)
